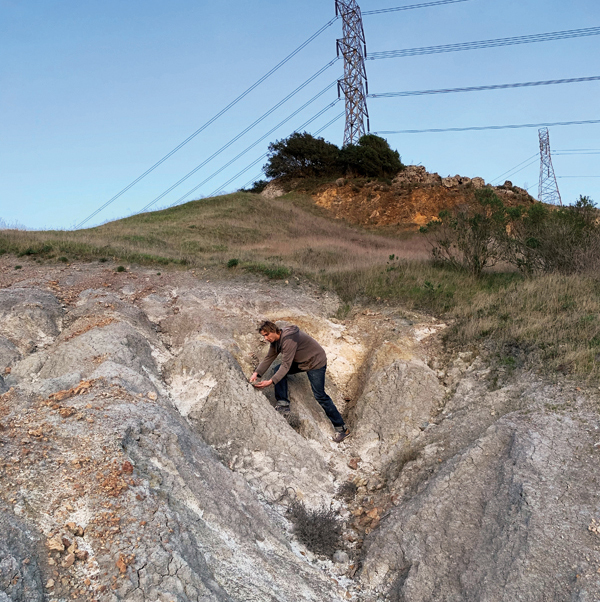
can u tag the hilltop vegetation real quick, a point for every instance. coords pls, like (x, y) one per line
(303, 155)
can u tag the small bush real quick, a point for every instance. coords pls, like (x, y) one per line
(258, 186)
(63, 259)
(536, 239)
(564, 240)
(319, 530)
(294, 421)
(371, 157)
(347, 491)
(18, 267)
(232, 263)
(302, 155)
(343, 311)
(120, 269)
(470, 238)
(40, 249)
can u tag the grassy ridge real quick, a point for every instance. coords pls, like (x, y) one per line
(552, 319)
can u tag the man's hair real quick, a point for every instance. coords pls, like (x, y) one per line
(268, 326)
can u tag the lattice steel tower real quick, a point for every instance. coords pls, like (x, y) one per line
(354, 85)
(548, 189)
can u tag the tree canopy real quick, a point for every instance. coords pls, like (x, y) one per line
(303, 155)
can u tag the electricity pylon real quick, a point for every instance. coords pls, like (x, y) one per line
(354, 85)
(548, 188)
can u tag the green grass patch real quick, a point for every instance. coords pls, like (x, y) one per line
(273, 272)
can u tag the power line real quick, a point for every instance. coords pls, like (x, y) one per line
(576, 154)
(212, 120)
(578, 176)
(549, 82)
(256, 142)
(528, 39)
(315, 134)
(488, 127)
(236, 138)
(515, 167)
(313, 118)
(531, 162)
(411, 6)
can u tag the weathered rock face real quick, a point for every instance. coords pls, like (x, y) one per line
(20, 577)
(417, 174)
(210, 389)
(273, 190)
(35, 316)
(497, 503)
(402, 394)
(414, 198)
(116, 495)
(137, 463)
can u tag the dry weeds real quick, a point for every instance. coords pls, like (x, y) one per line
(555, 319)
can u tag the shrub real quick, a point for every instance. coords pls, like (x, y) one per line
(371, 157)
(294, 421)
(347, 491)
(258, 186)
(232, 263)
(564, 240)
(470, 238)
(120, 269)
(319, 530)
(302, 155)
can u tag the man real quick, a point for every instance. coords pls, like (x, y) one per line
(299, 353)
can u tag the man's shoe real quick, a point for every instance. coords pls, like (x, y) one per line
(341, 435)
(283, 410)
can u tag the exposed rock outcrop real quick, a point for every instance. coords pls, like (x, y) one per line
(413, 198)
(273, 190)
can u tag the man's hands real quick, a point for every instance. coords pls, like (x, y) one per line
(261, 385)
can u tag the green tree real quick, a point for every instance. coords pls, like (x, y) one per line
(371, 157)
(302, 155)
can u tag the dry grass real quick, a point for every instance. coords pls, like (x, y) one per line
(552, 319)
(209, 232)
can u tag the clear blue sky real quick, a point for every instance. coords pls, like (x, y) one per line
(94, 93)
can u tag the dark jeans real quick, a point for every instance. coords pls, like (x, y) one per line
(317, 384)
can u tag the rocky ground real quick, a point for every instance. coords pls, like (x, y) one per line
(412, 199)
(137, 463)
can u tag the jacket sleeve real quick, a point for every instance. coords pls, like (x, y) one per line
(288, 351)
(269, 358)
